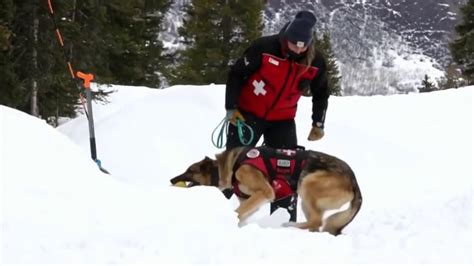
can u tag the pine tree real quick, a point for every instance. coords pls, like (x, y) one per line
(452, 78)
(323, 45)
(9, 94)
(334, 77)
(215, 33)
(462, 48)
(130, 36)
(39, 62)
(427, 85)
(153, 58)
(31, 55)
(115, 40)
(6, 16)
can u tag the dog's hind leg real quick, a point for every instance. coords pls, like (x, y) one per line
(313, 219)
(322, 191)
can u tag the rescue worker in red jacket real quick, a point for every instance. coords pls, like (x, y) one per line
(266, 82)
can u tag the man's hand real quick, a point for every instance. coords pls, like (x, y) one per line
(316, 133)
(233, 115)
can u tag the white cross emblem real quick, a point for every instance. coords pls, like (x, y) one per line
(258, 85)
(287, 152)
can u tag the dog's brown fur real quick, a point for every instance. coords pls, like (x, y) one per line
(326, 183)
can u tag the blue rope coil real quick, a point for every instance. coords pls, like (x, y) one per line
(223, 128)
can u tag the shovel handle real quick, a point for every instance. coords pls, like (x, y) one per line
(86, 78)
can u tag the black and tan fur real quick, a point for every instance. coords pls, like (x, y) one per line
(326, 183)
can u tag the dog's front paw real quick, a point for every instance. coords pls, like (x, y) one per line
(242, 223)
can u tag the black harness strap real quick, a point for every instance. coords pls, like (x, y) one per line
(215, 182)
(268, 164)
(215, 176)
(290, 203)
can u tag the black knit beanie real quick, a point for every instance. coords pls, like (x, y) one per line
(300, 29)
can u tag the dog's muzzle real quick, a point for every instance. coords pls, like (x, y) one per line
(184, 178)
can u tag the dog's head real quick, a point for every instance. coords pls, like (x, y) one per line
(204, 172)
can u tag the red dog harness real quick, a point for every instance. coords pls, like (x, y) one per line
(282, 168)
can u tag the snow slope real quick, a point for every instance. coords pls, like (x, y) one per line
(412, 155)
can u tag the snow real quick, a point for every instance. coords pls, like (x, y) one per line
(412, 155)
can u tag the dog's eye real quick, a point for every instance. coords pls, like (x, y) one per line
(205, 168)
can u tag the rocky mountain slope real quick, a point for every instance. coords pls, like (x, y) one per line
(382, 46)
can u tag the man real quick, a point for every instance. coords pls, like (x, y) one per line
(265, 84)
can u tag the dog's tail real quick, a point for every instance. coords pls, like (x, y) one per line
(336, 222)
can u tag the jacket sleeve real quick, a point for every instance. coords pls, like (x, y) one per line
(321, 91)
(245, 66)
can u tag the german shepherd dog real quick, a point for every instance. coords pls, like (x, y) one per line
(324, 183)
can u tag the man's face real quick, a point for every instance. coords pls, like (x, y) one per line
(296, 49)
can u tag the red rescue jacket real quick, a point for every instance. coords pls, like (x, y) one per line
(271, 93)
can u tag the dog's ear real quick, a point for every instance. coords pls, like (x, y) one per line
(206, 166)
